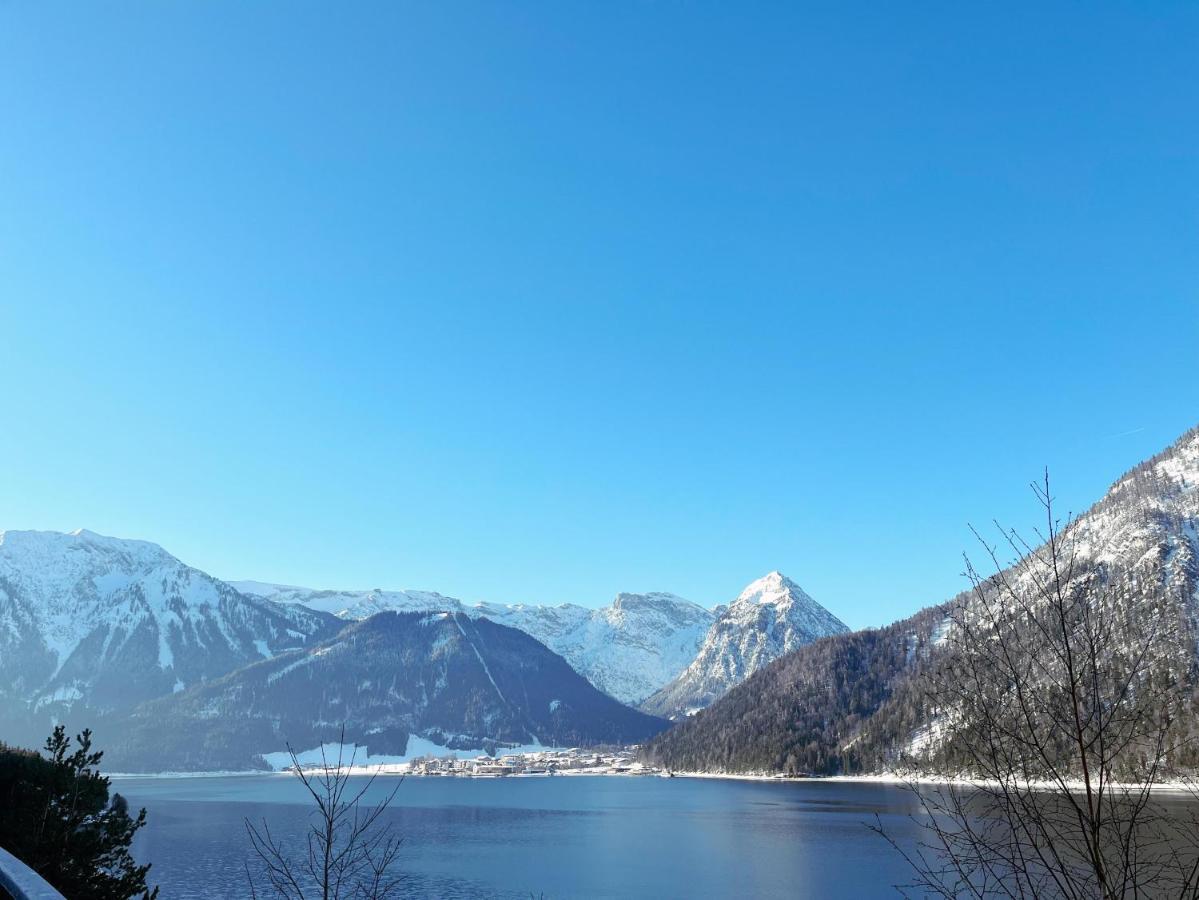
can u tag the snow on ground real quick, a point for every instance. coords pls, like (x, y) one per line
(941, 634)
(416, 748)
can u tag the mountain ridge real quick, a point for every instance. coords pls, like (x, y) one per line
(854, 702)
(444, 678)
(92, 622)
(627, 649)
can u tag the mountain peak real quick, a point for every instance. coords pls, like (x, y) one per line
(52, 541)
(771, 617)
(771, 588)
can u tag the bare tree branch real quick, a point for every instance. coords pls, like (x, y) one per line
(1056, 709)
(348, 852)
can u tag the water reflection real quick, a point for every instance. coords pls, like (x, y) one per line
(561, 837)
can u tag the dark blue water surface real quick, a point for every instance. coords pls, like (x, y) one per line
(619, 837)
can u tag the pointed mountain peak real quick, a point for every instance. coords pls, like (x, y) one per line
(771, 588)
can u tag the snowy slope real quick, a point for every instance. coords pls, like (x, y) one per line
(105, 623)
(628, 649)
(449, 679)
(351, 604)
(772, 616)
(858, 699)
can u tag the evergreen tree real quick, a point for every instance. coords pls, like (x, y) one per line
(60, 821)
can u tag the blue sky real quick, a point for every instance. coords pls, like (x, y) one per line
(541, 302)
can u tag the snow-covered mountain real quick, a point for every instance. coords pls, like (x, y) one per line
(101, 623)
(772, 616)
(352, 604)
(628, 649)
(857, 701)
(93, 626)
(447, 679)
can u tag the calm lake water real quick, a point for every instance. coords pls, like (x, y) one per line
(558, 837)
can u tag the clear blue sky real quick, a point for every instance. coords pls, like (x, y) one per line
(541, 302)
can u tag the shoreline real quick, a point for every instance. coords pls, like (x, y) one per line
(896, 780)
(888, 779)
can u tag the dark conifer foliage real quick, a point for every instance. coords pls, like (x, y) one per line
(807, 713)
(59, 819)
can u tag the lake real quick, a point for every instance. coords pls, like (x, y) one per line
(618, 837)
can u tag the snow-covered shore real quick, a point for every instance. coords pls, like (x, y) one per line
(542, 762)
(1180, 788)
(1173, 788)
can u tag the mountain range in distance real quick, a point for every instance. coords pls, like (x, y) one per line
(99, 630)
(628, 649)
(184, 671)
(657, 650)
(455, 682)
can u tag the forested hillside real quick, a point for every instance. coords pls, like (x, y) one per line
(860, 702)
(805, 712)
(456, 681)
